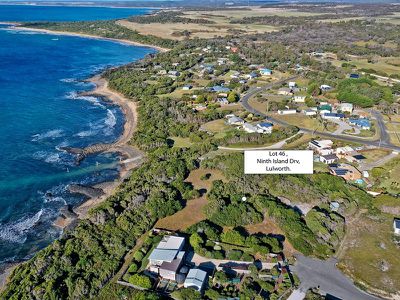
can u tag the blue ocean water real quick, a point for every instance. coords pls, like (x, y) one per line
(41, 76)
(24, 13)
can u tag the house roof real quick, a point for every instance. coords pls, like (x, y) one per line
(170, 242)
(218, 88)
(163, 255)
(234, 119)
(334, 115)
(265, 125)
(171, 266)
(361, 122)
(396, 223)
(330, 156)
(196, 277)
(325, 107)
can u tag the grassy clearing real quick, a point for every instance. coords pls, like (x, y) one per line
(301, 143)
(371, 256)
(389, 65)
(190, 215)
(193, 211)
(216, 126)
(375, 154)
(304, 121)
(387, 177)
(180, 142)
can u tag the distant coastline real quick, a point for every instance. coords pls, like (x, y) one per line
(16, 26)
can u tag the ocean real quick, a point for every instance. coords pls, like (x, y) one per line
(41, 111)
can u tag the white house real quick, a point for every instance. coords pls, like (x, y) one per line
(309, 112)
(323, 147)
(284, 91)
(396, 226)
(287, 112)
(344, 151)
(235, 121)
(328, 159)
(346, 107)
(333, 116)
(195, 279)
(265, 127)
(250, 128)
(299, 99)
(325, 87)
(292, 84)
(167, 257)
(187, 88)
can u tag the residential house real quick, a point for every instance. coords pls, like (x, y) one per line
(354, 76)
(173, 74)
(287, 112)
(348, 172)
(328, 159)
(252, 75)
(250, 128)
(396, 226)
(235, 121)
(285, 91)
(325, 87)
(333, 116)
(322, 147)
(309, 112)
(346, 107)
(235, 74)
(187, 87)
(162, 72)
(265, 72)
(167, 257)
(299, 99)
(334, 206)
(220, 89)
(265, 127)
(292, 84)
(361, 123)
(342, 152)
(324, 109)
(195, 279)
(222, 101)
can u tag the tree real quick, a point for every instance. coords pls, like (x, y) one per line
(196, 241)
(186, 294)
(141, 281)
(233, 237)
(233, 97)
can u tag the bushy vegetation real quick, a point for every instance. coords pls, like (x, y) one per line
(363, 92)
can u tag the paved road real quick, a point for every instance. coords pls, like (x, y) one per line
(314, 272)
(383, 142)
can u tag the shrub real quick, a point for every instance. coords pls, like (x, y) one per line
(133, 268)
(138, 256)
(141, 281)
(234, 254)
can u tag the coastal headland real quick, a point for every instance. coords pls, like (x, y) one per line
(130, 157)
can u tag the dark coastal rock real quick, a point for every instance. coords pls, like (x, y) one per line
(87, 191)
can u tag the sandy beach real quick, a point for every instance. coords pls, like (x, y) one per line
(15, 26)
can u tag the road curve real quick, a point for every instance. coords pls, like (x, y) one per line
(383, 142)
(324, 274)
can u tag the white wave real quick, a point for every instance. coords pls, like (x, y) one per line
(86, 133)
(110, 122)
(51, 134)
(16, 231)
(55, 199)
(75, 96)
(53, 158)
(68, 80)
